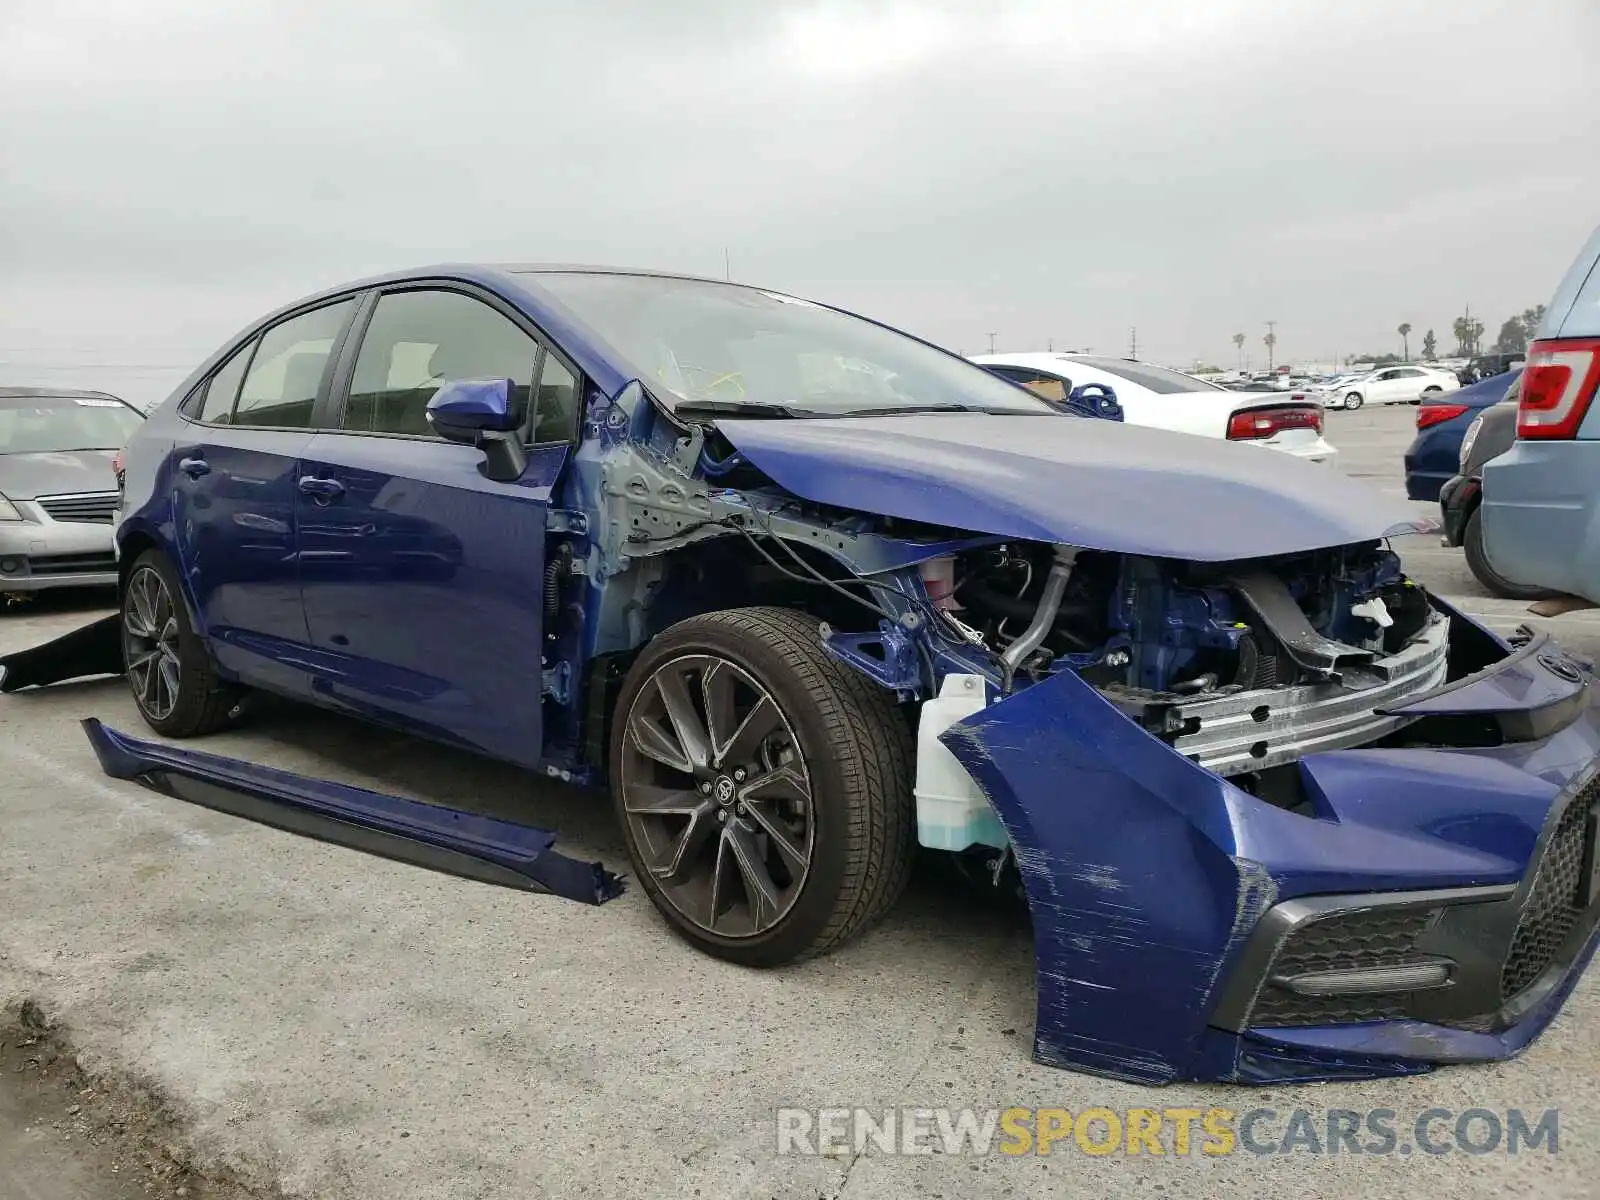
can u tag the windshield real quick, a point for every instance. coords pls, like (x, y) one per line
(704, 343)
(1156, 379)
(51, 424)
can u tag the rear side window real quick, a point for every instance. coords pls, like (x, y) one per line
(217, 405)
(1156, 379)
(281, 389)
(418, 341)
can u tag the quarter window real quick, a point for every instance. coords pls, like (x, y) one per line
(223, 390)
(281, 389)
(555, 419)
(418, 341)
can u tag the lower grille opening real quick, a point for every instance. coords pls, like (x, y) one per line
(72, 564)
(1556, 900)
(1365, 940)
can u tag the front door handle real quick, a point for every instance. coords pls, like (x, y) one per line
(194, 467)
(322, 489)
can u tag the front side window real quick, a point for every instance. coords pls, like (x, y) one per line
(1040, 383)
(59, 424)
(418, 341)
(281, 389)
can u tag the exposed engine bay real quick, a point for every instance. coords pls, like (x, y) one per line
(1240, 666)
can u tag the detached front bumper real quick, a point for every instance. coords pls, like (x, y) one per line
(1407, 907)
(61, 541)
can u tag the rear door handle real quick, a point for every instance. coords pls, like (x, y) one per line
(322, 489)
(194, 467)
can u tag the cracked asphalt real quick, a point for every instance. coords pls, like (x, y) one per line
(334, 1025)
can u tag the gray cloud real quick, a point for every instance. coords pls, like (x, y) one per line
(174, 167)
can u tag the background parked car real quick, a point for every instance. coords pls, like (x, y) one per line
(1390, 385)
(1442, 421)
(1165, 399)
(1541, 507)
(58, 486)
(1490, 435)
(1486, 365)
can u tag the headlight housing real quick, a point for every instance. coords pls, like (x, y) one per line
(1466, 442)
(8, 511)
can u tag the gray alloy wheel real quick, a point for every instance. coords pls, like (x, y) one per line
(717, 796)
(1352, 401)
(150, 644)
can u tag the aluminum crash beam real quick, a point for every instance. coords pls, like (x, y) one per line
(426, 835)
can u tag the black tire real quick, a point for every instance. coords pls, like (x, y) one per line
(1478, 564)
(1353, 401)
(856, 749)
(203, 702)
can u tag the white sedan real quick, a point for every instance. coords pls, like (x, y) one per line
(1388, 385)
(1167, 399)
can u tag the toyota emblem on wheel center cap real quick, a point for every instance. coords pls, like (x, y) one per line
(724, 789)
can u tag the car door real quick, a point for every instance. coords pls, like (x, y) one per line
(235, 467)
(1384, 387)
(422, 580)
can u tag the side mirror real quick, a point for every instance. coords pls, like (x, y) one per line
(479, 412)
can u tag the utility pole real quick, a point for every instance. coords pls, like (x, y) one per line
(727, 271)
(1050, 345)
(1272, 341)
(991, 343)
(1133, 342)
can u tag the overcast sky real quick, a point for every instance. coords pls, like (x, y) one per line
(1039, 170)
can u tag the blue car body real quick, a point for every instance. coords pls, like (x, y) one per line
(1434, 455)
(1216, 870)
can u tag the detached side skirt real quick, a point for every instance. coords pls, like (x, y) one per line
(427, 835)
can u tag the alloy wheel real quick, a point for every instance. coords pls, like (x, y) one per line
(150, 643)
(717, 796)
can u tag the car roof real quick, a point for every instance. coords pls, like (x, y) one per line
(57, 393)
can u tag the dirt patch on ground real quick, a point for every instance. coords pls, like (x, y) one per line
(66, 1135)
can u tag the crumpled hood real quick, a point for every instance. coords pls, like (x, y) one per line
(1098, 485)
(24, 476)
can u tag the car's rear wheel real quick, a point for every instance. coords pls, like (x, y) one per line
(1478, 564)
(1352, 400)
(174, 685)
(763, 788)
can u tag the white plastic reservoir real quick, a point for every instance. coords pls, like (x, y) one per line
(952, 813)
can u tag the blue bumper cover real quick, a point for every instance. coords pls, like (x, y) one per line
(1172, 909)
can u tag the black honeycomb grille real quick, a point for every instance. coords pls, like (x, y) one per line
(1555, 901)
(1344, 942)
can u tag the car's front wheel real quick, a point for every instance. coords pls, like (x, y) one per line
(174, 685)
(1478, 564)
(1352, 400)
(763, 788)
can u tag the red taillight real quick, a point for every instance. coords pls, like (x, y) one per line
(1435, 414)
(1558, 385)
(1269, 422)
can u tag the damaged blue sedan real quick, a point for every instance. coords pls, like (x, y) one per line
(804, 592)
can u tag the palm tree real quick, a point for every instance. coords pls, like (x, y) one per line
(1405, 341)
(1238, 344)
(1271, 340)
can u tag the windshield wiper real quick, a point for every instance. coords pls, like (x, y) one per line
(742, 408)
(895, 410)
